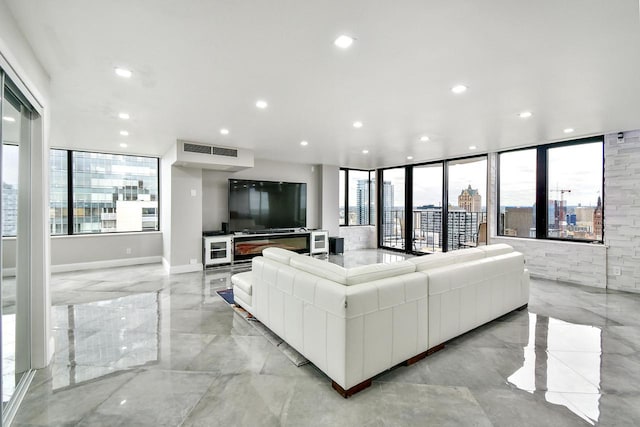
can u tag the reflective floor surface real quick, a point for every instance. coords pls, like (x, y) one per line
(136, 347)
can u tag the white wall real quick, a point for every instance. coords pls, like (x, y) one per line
(359, 237)
(329, 203)
(79, 252)
(215, 188)
(185, 253)
(572, 262)
(622, 210)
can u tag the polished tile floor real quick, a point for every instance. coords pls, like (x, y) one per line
(135, 347)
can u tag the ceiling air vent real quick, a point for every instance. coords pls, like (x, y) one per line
(229, 152)
(197, 148)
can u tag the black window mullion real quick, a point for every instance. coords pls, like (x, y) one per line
(380, 197)
(444, 231)
(408, 210)
(70, 191)
(541, 193)
(346, 197)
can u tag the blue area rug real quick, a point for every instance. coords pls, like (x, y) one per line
(227, 295)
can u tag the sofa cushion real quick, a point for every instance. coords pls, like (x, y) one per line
(319, 268)
(242, 281)
(496, 249)
(436, 260)
(470, 254)
(440, 259)
(368, 273)
(278, 254)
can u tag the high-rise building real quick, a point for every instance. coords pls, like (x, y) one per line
(387, 213)
(362, 202)
(597, 220)
(470, 200)
(518, 221)
(9, 209)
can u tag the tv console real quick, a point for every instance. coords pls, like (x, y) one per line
(240, 247)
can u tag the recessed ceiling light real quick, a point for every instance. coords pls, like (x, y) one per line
(124, 133)
(124, 116)
(261, 104)
(472, 147)
(357, 125)
(123, 72)
(525, 114)
(123, 145)
(365, 151)
(224, 131)
(304, 143)
(424, 138)
(459, 89)
(343, 41)
(568, 130)
(409, 157)
(8, 119)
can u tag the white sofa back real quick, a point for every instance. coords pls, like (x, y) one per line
(355, 323)
(351, 332)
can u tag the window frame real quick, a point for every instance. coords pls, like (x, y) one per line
(408, 235)
(346, 198)
(70, 200)
(542, 188)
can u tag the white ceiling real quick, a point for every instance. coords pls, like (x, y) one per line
(201, 65)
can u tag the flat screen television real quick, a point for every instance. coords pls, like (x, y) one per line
(266, 205)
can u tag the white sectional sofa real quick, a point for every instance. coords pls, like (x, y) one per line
(354, 323)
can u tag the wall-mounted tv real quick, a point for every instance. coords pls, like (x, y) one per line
(266, 205)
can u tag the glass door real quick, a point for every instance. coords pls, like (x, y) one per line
(393, 208)
(467, 195)
(427, 208)
(15, 281)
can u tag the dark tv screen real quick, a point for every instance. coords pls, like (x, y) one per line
(266, 205)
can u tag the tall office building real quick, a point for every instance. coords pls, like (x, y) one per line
(470, 200)
(597, 220)
(9, 209)
(362, 202)
(518, 221)
(387, 203)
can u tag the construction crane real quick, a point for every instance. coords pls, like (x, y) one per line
(562, 217)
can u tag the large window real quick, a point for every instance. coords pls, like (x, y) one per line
(58, 192)
(574, 192)
(356, 203)
(517, 193)
(553, 191)
(108, 193)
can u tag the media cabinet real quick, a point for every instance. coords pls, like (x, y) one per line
(230, 248)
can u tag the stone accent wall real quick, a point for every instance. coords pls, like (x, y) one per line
(579, 263)
(622, 210)
(359, 237)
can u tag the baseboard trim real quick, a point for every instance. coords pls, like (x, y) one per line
(61, 268)
(185, 268)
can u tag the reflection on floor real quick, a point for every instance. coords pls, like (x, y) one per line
(137, 347)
